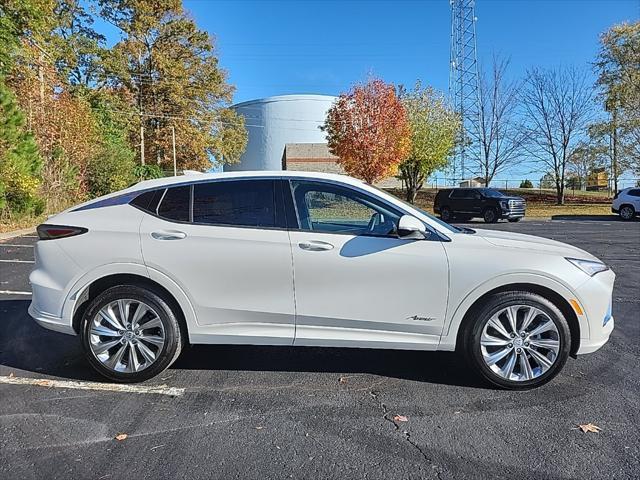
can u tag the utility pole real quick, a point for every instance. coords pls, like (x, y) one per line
(173, 138)
(464, 81)
(141, 141)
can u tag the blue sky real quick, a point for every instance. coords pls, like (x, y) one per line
(275, 47)
(278, 47)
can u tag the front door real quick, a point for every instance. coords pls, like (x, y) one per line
(356, 282)
(230, 253)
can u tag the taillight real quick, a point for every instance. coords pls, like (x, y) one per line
(52, 232)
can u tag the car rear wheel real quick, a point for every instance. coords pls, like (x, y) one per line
(446, 214)
(130, 334)
(519, 341)
(627, 212)
(490, 215)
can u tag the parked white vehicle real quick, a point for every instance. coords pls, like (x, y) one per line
(626, 203)
(293, 258)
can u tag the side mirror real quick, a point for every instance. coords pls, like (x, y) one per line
(411, 227)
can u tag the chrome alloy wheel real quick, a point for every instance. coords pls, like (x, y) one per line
(520, 343)
(126, 336)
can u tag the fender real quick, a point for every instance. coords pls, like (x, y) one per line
(450, 330)
(83, 282)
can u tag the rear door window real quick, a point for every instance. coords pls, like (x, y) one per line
(175, 204)
(244, 203)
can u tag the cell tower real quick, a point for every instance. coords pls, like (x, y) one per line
(463, 81)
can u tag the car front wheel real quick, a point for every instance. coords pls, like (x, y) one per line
(519, 341)
(130, 334)
(490, 215)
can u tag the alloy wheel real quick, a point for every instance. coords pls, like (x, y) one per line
(126, 336)
(490, 215)
(520, 343)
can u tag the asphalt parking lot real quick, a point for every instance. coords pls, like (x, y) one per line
(261, 412)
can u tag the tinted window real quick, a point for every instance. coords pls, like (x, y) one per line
(634, 193)
(488, 192)
(248, 203)
(462, 193)
(148, 201)
(175, 204)
(333, 209)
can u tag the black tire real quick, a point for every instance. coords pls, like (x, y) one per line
(490, 215)
(627, 212)
(472, 332)
(174, 337)
(446, 215)
(515, 220)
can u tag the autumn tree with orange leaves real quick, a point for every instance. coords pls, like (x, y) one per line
(367, 128)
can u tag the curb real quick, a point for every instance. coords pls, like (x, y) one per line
(17, 233)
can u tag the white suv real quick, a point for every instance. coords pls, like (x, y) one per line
(288, 258)
(626, 203)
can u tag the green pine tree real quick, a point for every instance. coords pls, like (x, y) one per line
(20, 161)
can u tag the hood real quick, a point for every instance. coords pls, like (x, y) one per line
(533, 243)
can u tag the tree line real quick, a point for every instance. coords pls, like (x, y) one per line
(553, 118)
(80, 118)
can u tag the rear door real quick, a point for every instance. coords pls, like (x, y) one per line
(229, 251)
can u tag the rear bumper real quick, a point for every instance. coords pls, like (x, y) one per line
(614, 210)
(50, 322)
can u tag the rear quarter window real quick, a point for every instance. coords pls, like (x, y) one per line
(175, 204)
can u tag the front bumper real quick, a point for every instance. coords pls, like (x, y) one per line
(596, 300)
(596, 342)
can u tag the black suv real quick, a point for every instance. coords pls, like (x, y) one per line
(487, 203)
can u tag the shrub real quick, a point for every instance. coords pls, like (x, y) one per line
(147, 172)
(526, 184)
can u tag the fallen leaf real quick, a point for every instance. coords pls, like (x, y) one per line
(400, 418)
(121, 436)
(589, 427)
(11, 375)
(342, 380)
(259, 428)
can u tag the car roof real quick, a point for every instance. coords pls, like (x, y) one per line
(168, 181)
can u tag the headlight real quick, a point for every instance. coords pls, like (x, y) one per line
(590, 267)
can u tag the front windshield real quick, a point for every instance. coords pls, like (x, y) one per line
(451, 228)
(491, 193)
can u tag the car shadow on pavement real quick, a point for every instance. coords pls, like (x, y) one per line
(26, 346)
(445, 368)
(590, 218)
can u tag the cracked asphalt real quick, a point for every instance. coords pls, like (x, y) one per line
(278, 412)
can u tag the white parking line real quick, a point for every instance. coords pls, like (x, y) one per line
(16, 261)
(106, 387)
(14, 245)
(11, 292)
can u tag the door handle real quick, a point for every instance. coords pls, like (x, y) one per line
(168, 235)
(315, 246)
